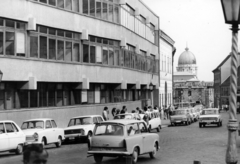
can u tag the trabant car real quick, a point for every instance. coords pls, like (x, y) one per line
(12, 138)
(210, 116)
(180, 116)
(155, 121)
(134, 116)
(43, 130)
(81, 127)
(117, 138)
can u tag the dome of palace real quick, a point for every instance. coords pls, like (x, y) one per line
(186, 58)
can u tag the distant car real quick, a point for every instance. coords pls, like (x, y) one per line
(123, 137)
(43, 130)
(180, 116)
(210, 116)
(12, 138)
(155, 121)
(81, 127)
(195, 114)
(134, 116)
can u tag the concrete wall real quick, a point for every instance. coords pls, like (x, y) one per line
(62, 115)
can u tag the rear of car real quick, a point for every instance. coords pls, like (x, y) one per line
(180, 117)
(210, 116)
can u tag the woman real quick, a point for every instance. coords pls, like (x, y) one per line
(114, 112)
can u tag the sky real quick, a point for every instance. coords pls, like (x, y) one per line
(198, 24)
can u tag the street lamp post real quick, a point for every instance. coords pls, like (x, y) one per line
(1, 75)
(231, 10)
(151, 89)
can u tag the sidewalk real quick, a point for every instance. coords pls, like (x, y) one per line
(165, 123)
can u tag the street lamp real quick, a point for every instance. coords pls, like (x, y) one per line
(231, 10)
(151, 89)
(1, 75)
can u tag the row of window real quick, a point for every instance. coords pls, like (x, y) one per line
(58, 94)
(166, 64)
(162, 98)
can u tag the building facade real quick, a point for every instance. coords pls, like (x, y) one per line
(62, 58)
(167, 51)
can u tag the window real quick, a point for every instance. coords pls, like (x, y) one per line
(105, 11)
(54, 124)
(142, 127)
(76, 5)
(100, 119)
(105, 55)
(110, 13)
(95, 120)
(92, 54)
(85, 6)
(43, 1)
(10, 37)
(9, 128)
(10, 23)
(76, 53)
(98, 9)
(116, 14)
(111, 57)
(43, 47)
(132, 129)
(60, 3)
(68, 5)
(85, 53)
(2, 129)
(34, 46)
(52, 2)
(48, 124)
(60, 50)
(68, 55)
(1, 22)
(15, 127)
(92, 7)
(1, 42)
(52, 49)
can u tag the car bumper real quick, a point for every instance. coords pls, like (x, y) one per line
(74, 136)
(208, 122)
(109, 152)
(178, 121)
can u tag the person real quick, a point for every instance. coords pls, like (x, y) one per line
(124, 110)
(34, 153)
(155, 109)
(114, 112)
(138, 110)
(105, 113)
(133, 111)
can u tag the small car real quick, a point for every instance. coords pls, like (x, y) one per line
(180, 116)
(43, 130)
(123, 137)
(155, 121)
(81, 127)
(210, 116)
(134, 116)
(195, 114)
(12, 138)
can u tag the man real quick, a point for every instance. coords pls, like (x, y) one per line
(105, 113)
(35, 154)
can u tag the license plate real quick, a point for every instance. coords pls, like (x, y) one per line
(106, 149)
(178, 121)
(71, 138)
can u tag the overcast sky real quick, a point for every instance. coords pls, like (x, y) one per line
(198, 23)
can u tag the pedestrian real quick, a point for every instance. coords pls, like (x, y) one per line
(133, 111)
(138, 110)
(124, 110)
(155, 109)
(34, 153)
(114, 112)
(105, 113)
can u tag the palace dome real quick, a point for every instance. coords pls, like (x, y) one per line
(186, 58)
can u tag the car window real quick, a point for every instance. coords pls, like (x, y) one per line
(80, 121)
(132, 129)
(54, 124)
(32, 125)
(100, 119)
(15, 127)
(95, 120)
(142, 127)
(48, 124)
(109, 129)
(9, 128)
(2, 129)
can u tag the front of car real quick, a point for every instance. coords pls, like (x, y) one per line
(33, 130)
(79, 127)
(179, 117)
(210, 116)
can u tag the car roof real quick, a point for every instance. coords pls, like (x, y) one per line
(38, 119)
(6, 121)
(122, 121)
(87, 116)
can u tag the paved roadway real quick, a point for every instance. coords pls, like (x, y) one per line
(179, 145)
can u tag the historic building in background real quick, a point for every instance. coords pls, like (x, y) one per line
(62, 58)
(167, 51)
(187, 87)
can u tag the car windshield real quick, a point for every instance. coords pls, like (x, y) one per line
(123, 116)
(109, 130)
(209, 112)
(80, 121)
(180, 112)
(33, 125)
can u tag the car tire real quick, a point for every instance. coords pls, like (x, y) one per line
(186, 123)
(19, 149)
(172, 124)
(221, 123)
(98, 158)
(135, 156)
(59, 143)
(44, 142)
(154, 152)
(158, 128)
(200, 125)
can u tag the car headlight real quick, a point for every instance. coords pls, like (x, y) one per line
(35, 136)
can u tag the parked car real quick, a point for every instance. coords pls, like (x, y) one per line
(81, 127)
(180, 116)
(43, 130)
(195, 114)
(123, 137)
(155, 121)
(12, 138)
(134, 116)
(210, 116)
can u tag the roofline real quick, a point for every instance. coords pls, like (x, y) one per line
(222, 62)
(166, 37)
(149, 9)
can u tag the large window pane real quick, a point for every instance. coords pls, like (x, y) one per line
(10, 23)
(116, 14)
(33, 99)
(92, 54)
(10, 37)
(76, 97)
(60, 4)
(42, 95)
(76, 52)
(43, 1)
(85, 6)
(20, 44)
(85, 53)
(60, 52)
(111, 57)
(110, 13)
(116, 58)
(23, 96)
(76, 5)
(68, 55)
(52, 2)
(105, 56)
(1, 22)
(92, 7)
(52, 49)
(68, 4)
(98, 9)
(105, 11)
(43, 47)
(1, 42)
(34, 46)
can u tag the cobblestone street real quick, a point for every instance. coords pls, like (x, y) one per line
(179, 145)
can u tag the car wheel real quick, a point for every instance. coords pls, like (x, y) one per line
(19, 149)
(158, 128)
(98, 158)
(89, 136)
(218, 124)
(44, 141)
(135, 156)
(172, 124)
(186, 123)
(200, 125)
(59, 143)
(221, 123)
(154, 152)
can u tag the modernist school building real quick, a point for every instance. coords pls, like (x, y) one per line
(64, 58)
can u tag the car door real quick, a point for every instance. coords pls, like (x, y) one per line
(56, 131)
(12, 135)
(49, 132)
(146, 139)
(4, 141)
